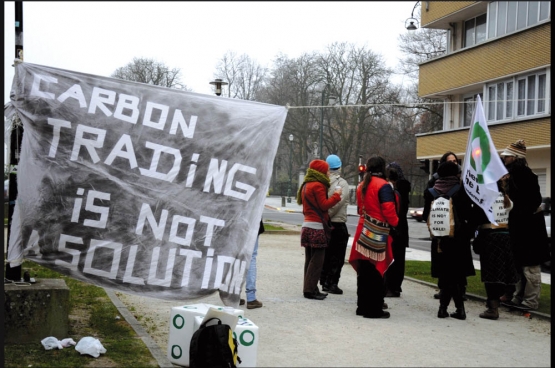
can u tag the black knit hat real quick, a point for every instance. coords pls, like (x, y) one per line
(448, 168)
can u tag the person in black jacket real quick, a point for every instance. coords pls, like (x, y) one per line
(452, 262)
(396, 272)
(526, 227)
(447, 156)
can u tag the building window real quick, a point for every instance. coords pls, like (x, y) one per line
(509, 100)
(531, 97)
(541, 93)
(475, 30)
(521, 94)
(510, 16)
(468, 108)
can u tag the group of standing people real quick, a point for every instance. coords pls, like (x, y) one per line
(382, 198)
(511, 251)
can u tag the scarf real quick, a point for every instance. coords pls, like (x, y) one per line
(312, 175)
(443, 184)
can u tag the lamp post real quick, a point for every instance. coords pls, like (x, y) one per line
(411, 26)
(331, 102)
(218, 83)
(290, 168)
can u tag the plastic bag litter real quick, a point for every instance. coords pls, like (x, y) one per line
(90, 345)
(67, 342)
(50, 343)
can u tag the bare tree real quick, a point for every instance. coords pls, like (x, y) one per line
(244, 75)
(367, 119)
(420, 115)
(356, 76)
(150, 71)
(290, 82)
(417, 47)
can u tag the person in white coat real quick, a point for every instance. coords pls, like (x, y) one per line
(335, 253)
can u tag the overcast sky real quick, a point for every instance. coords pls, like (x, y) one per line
(98, 37)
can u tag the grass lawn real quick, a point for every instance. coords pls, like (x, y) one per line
(421, 270)
(91, 314)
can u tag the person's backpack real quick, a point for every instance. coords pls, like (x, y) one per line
(441, 220)
(213, 346)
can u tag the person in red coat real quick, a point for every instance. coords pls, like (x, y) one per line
(315, 231)
(377, 199)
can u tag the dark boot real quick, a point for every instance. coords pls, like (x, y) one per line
(317, 292)
(333, 289)
(444, 300)
(459, 303)
(442, 312)
(324, 283)
(459, 313)
(493, 310)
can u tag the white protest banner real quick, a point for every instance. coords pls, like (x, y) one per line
(139, 188)
(482, 165)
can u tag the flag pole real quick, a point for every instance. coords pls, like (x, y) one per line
(14, 273)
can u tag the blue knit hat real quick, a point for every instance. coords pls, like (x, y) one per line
(334, 161)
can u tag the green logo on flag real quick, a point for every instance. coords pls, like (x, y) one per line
(481, 155)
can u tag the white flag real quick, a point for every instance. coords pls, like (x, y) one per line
(482, 165)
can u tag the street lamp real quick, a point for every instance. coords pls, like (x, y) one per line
(413, 22)
(218, 83)
(331, 102)
(290, 168)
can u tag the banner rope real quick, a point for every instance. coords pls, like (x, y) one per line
(407, 105)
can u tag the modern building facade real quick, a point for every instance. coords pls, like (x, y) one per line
(500, 50)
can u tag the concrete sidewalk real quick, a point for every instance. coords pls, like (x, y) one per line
(299, 332)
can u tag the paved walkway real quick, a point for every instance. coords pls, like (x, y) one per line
(299, 332)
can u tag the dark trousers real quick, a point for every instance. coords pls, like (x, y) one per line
(396, 272)
(335, 254)
(313, 262)
(494, 291)
(452, 287)
(370, 289)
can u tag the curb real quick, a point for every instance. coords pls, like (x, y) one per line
(296, 211)
(282, 232)
(163, 361)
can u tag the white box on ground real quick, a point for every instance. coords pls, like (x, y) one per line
(246, 334)
(182, 328)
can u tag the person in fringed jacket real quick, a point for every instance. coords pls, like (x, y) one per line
(376, 199)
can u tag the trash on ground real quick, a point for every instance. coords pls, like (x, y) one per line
(68, 342)
(91, 346)
(51, 342)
